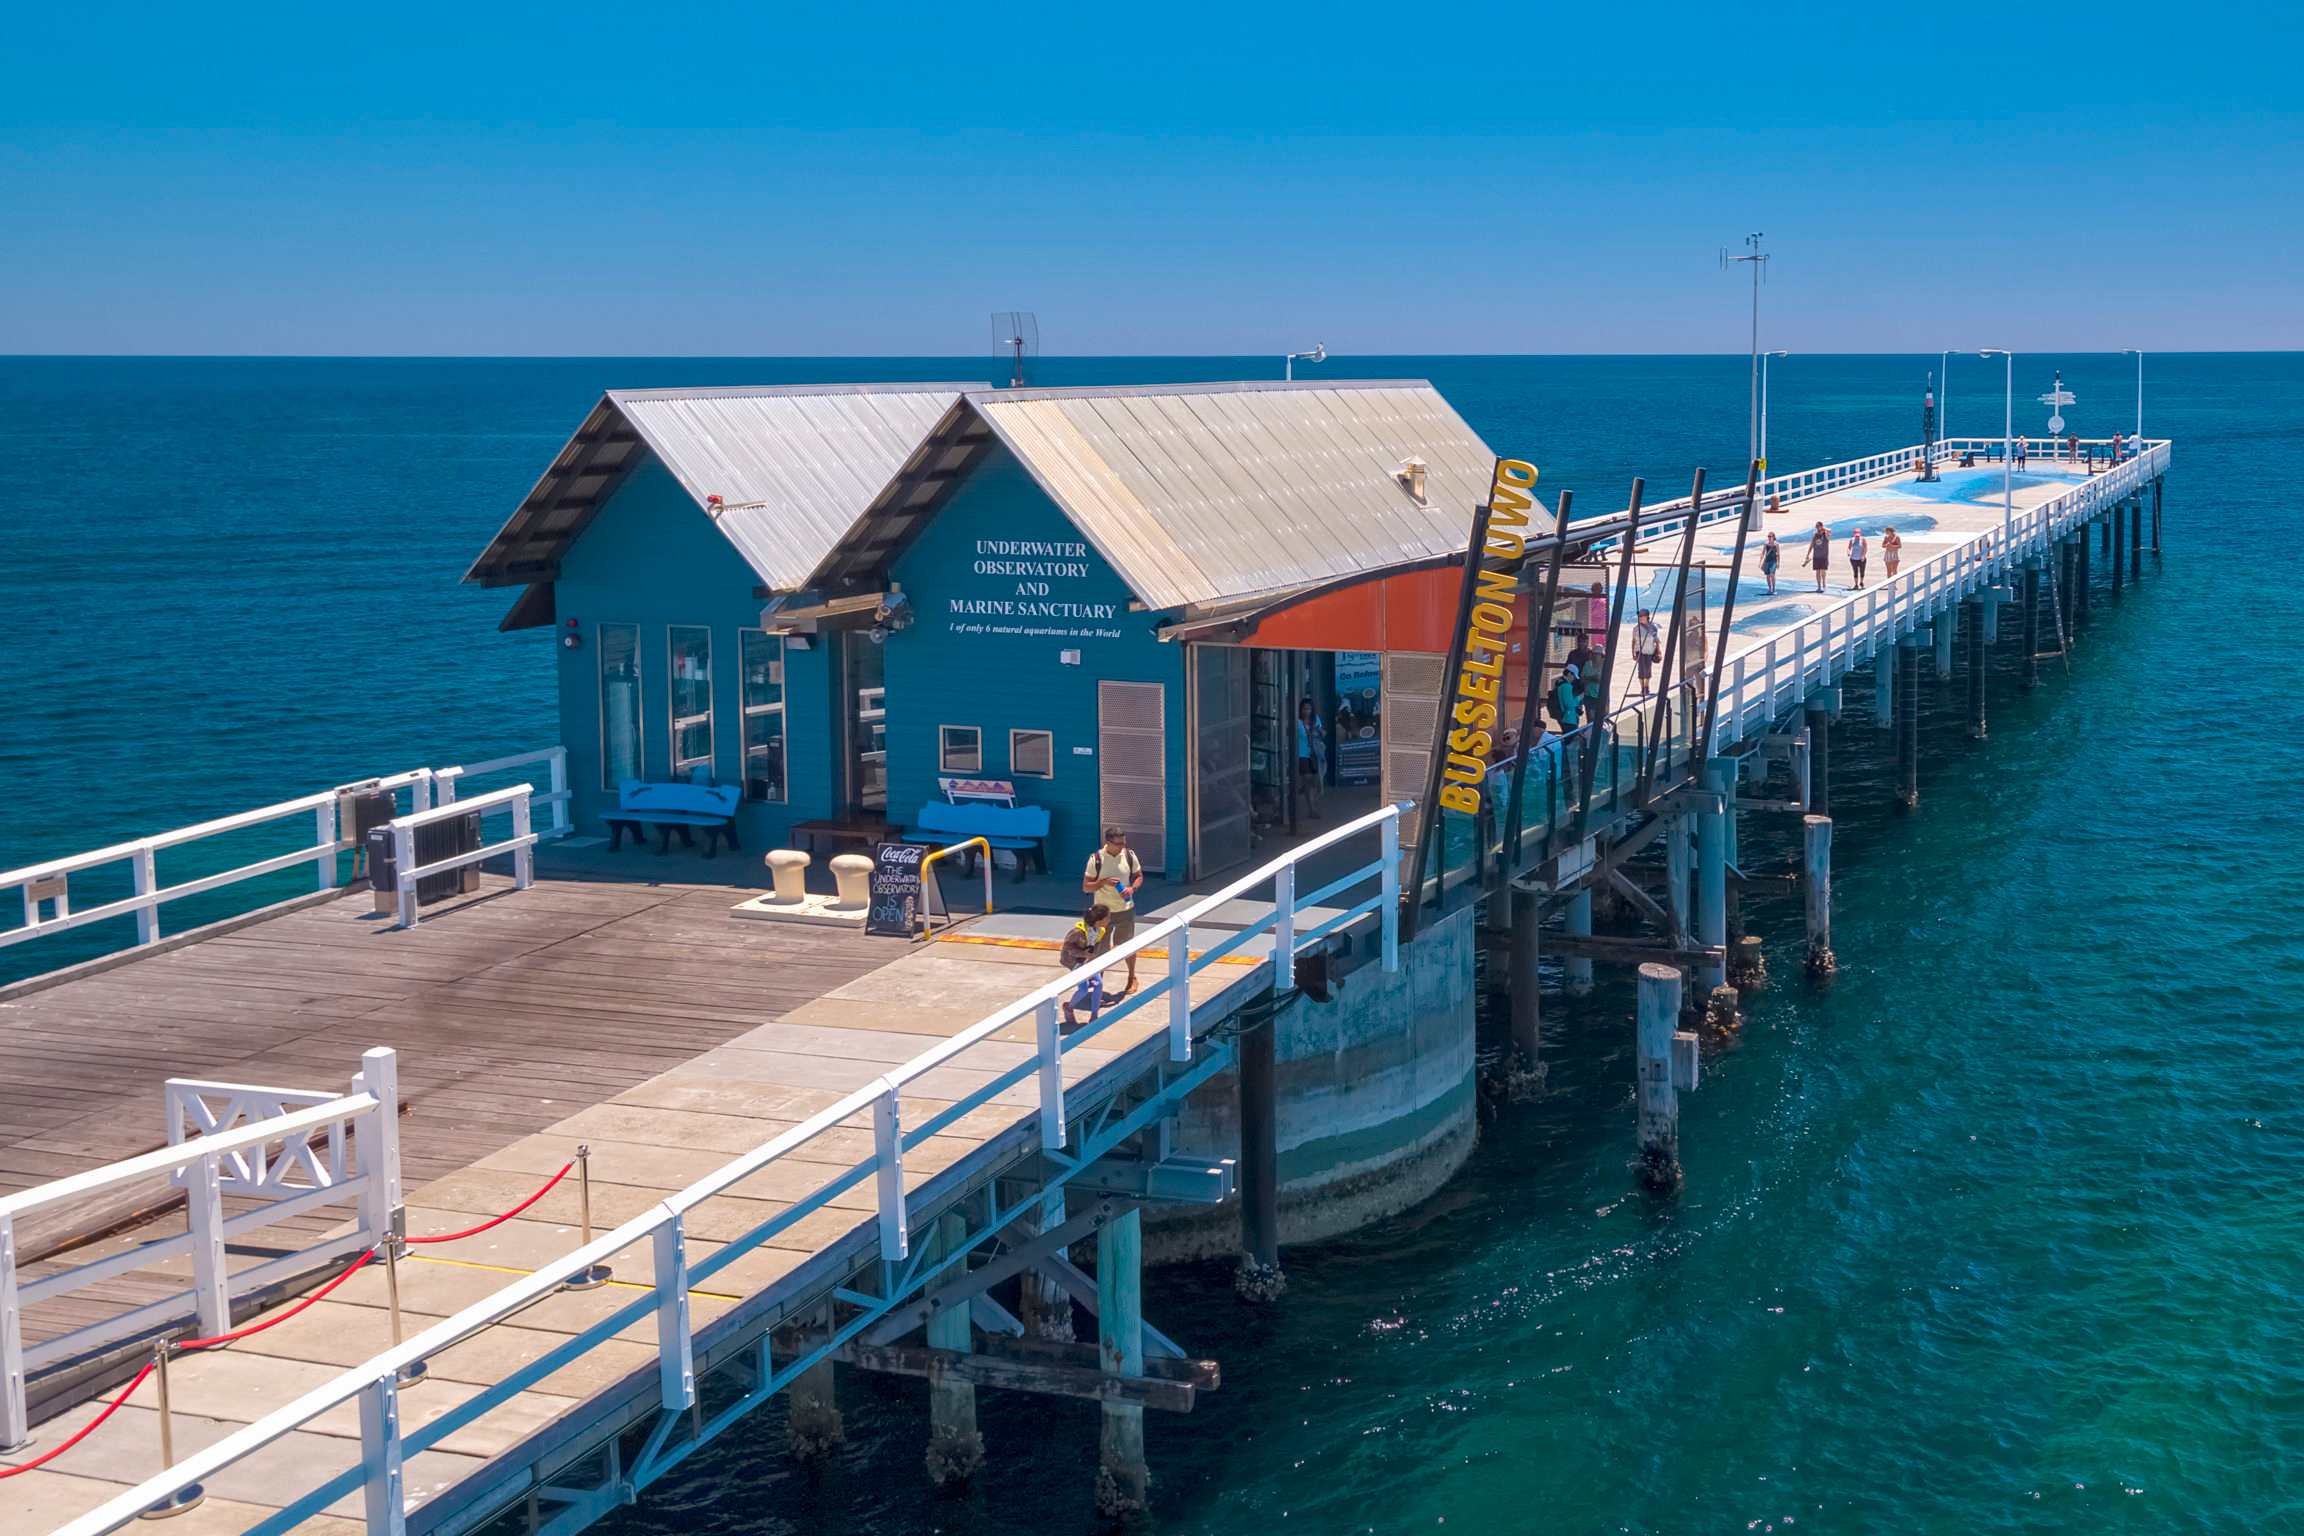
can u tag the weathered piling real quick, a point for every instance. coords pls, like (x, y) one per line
(1747, 964)
(1822, 705)
(1260, 1277)
(1576, 918)
(2032, 623)
(2114, 529)
(1908, 722)
(1816, 879)
(812, 1425)
(1712, 871)
(2136, 538)
(1656, 1022)
(1047, 1306)
(1884, 688)
(2155, 517)
(2080, 576)
(955, 1449)
(1943, 627)
(1123, 1481)
(1973, 619)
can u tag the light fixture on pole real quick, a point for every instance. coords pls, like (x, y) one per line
(2007, 443)
(2139, 355)
(1758, 261)
(1318, 354)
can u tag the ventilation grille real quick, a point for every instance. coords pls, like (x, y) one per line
(1132, 752)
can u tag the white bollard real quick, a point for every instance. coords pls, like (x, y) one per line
(788, 868)
(854, 872)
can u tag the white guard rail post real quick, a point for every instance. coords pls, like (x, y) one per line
(521, 844)
(558, 797)
(388, 1442)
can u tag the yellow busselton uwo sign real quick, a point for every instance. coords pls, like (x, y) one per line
(1480, 668)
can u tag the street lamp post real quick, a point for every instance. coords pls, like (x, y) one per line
(2139, 356)
(2007, 444)
(1318, 354)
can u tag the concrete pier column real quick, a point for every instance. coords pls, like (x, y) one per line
(2031, 623)
(1259, 1278)
(1973, 619)
(1047, 1306)
(1823, 704)
(1679, 856)
(2080, 576)
(1816, 880)
(1988, 606)
(1658, 1133)
(1712, 874)
(1527, 1014)
(955, 1449)
(1908, 723)
(2136, 539)
(1884, 688)
(812, 1426)
(1942, 632)
(1123, 1481)
(1578, 968)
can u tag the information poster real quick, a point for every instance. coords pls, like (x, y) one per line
(1359, 726)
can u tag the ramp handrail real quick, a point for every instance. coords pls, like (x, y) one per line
(386, 1444)
(232, 1159)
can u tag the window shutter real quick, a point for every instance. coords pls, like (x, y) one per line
(1132, 761)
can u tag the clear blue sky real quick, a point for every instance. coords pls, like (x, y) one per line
(1187, 178)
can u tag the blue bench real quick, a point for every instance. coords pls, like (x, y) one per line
(670, 807)
(1022, 829)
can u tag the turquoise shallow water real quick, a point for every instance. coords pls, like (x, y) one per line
(2002, 1232)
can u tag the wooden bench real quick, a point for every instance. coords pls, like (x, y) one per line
(675, 807)
(1022, 829)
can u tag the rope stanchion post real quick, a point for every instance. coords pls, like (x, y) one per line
(394, 1242)
(191, 1494)
(593, 1276)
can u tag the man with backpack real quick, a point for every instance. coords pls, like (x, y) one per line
(1113, 876)
(1648, 645)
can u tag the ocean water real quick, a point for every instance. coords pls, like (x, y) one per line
(2001, 1231)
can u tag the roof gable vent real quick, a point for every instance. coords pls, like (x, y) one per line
(1410, 474)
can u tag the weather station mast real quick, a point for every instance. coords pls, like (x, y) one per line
(1759, 262)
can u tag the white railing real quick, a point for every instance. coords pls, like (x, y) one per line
(49, 884)
(46, 889)
(386, 1443)
(521, 844)
(1771, 677)
(555, 760)
(258, 1142)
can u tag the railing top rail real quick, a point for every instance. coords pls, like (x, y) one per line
(455, 808)
(494, 764)
(169, 1159)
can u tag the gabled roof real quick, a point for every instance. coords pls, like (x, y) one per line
(794, 467)
(1200, 494)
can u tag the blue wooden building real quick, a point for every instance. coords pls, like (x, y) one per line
(840, 596)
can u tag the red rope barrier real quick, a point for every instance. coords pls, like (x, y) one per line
(241, 1333)
(87, 1429)
(497, 1221)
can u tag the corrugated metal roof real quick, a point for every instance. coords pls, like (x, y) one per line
(1201, 494)
(794, 466)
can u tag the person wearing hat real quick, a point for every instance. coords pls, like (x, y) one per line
(1113, 877)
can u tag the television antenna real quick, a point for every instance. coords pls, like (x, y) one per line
(1017, 335)
(2056, 399)
(1759, 265)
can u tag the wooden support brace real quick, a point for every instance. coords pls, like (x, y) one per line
(1623, 886)
(1611, 947)
(1048, 1378)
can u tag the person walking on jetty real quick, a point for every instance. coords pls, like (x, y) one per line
(1083, 942)
(1891, 549)
(1113, 876)
(1820, 553)
(1648, 643)
(1311, 759)
(2023, 452)
(1858, 553)
(1771, 556)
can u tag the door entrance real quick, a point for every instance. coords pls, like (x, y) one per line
(863, 733)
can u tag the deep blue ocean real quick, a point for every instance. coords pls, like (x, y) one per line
(2004, 1231)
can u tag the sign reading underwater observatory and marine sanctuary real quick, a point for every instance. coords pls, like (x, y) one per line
(1030, 602)
(1480, 658)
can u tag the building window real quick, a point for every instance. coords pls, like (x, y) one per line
(691, 700)
(1032, 754)
(961, 749)
(619, 703)
(763, 660)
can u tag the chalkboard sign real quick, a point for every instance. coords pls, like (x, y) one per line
(896, 894)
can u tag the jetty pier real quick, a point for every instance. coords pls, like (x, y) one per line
(800, 1197)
